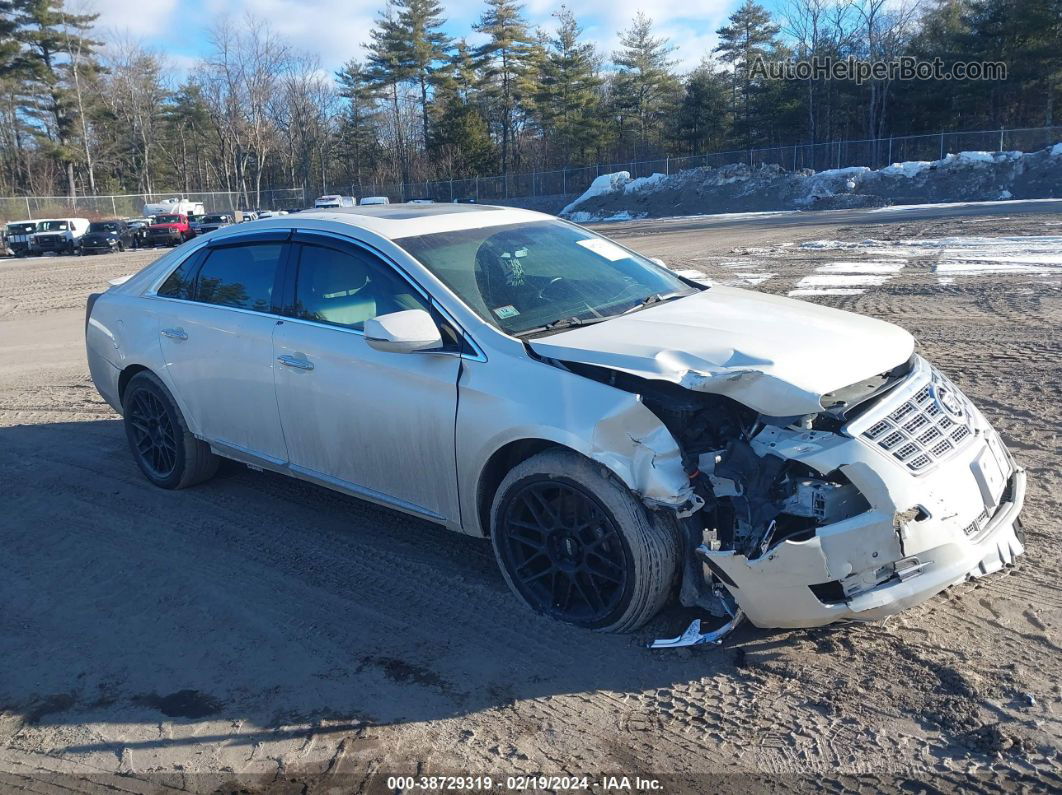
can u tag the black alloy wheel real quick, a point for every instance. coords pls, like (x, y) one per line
(154, 435)
(564, 552)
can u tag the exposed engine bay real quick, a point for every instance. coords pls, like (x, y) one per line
(784, 486)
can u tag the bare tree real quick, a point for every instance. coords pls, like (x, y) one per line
(135, 93)
(886, 28)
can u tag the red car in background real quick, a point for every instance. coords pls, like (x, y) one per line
(170, 230)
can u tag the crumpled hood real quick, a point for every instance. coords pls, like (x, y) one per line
(776, 355)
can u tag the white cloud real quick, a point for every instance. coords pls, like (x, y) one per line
(131, 17)
(690, 27)
(334, 30)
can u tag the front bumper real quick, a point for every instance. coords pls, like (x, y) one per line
(52, 245)
(926, 529)
(104, 248)
(164, 238)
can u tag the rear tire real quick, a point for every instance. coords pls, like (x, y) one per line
(163, 447)
(575, 544)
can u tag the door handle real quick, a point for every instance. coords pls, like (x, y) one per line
(292, 361)
(175, 333)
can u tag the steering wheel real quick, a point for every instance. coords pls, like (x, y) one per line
(542, 293)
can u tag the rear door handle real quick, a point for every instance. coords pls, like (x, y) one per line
(292, 361)
(175, 333)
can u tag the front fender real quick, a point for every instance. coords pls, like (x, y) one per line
(603, 423)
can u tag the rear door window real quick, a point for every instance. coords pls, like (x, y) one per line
(240, 276)
(181, 282)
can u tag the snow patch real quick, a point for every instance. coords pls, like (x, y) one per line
(870, 266)
(827, 291)
(1056, 150)
(750, 279)
(816, 280)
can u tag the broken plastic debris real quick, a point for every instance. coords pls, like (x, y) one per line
(694, 637)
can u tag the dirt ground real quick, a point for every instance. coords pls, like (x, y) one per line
(261, 633)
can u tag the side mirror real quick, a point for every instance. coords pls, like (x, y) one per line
(403, 332)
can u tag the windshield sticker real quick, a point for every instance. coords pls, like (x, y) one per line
(603, 248)
(506, 311)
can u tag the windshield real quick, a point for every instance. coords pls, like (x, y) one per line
(214, 219)
(21, 229)
(103, 226)
(168, 219)
(52, 226)
(524, 278)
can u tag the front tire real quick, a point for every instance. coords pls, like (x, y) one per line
(575, 544)
(163, 447)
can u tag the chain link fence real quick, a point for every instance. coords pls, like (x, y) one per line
(872, 153)
(131, 205)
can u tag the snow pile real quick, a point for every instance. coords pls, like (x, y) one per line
(909, 169)
(605, 184)
(960, 177)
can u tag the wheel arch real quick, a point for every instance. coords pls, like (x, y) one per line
(126, 376)
(498, 465)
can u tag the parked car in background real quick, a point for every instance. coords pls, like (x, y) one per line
(325, 202)
(18, 237)
(371, 200)
(466, 200)
(421, 201)
(170, 230)
(104, 237)
(58, 235)
(246, 215)
(271, 213)
(175, 206)
(215, 221)
(139, 227)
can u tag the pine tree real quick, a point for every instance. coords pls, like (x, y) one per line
(702, 120)
(426, 47)
(389, 68)
(749, 35)
(57, 55)
(502, 61)
(358, 136)
(568, 97)
(645, 90)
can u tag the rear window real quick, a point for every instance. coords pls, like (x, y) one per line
(240, 276)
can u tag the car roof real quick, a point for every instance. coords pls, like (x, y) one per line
(395, 221)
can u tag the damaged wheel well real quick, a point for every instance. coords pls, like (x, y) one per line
(498, 466)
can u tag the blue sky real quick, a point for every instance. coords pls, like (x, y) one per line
(336, 29)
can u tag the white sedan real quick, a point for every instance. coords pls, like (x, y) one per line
(619, 433)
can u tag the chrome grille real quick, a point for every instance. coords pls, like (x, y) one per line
(919, 433)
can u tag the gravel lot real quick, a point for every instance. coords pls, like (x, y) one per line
(256, 630)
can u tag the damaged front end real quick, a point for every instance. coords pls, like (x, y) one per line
(895, 490)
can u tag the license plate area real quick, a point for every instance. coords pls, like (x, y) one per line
(990, 471)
